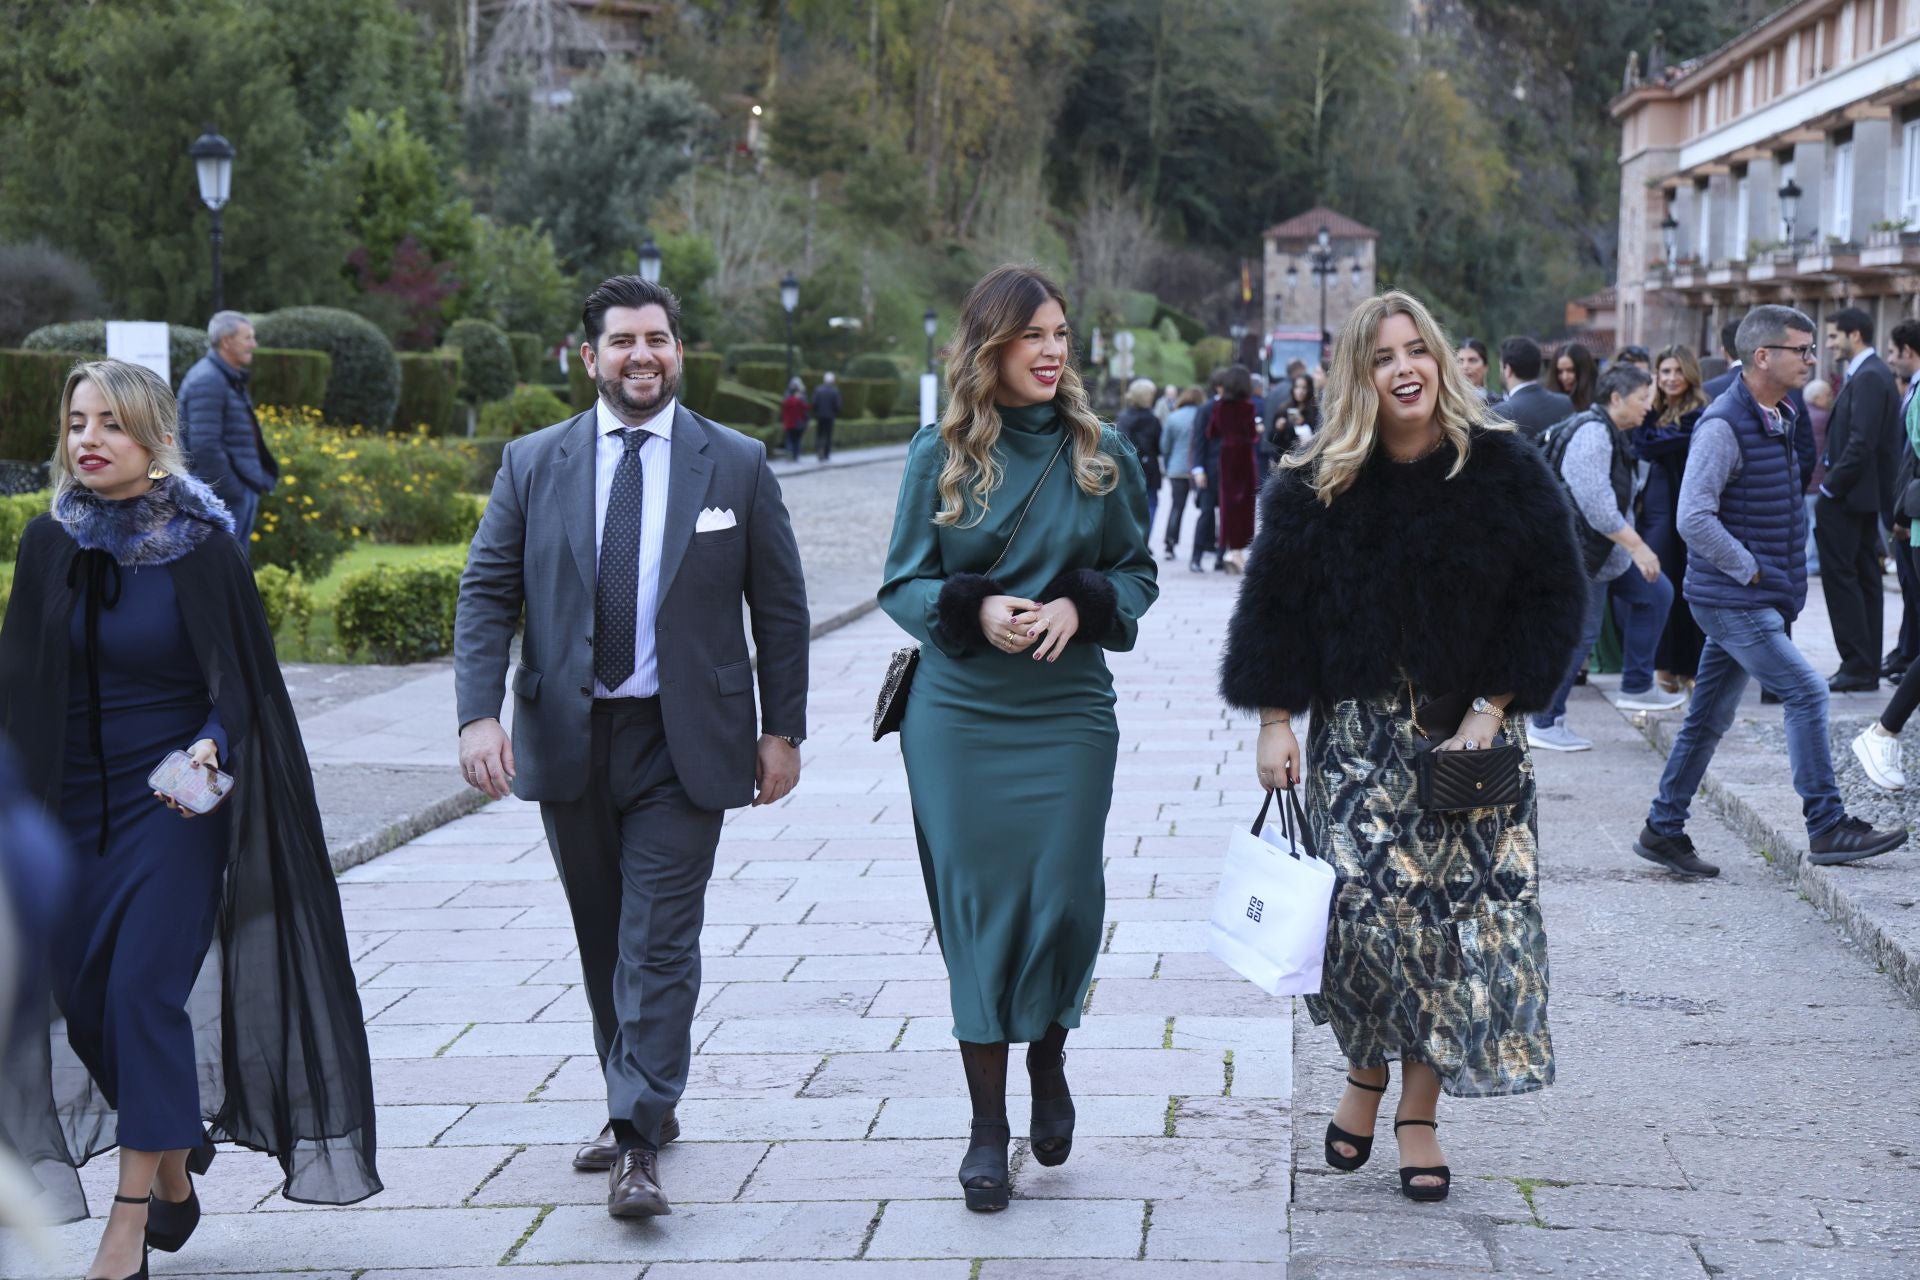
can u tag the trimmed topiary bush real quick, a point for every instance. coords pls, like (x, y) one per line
(867, 397)
(290, 379)
(487, 370)
(185, 344)
(699, 379)
(529, 355)
(739, 406)
(429, 391)
(30, 384)
(15, 511)
(1210, 354)
(527, 409)
(399, 613)
(40, 285)
(763, 376)
(581, 392)
(287, 599)
(363, 386)
(876, 365)
(763, 353)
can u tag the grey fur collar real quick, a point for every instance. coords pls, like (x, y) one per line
(158, 527)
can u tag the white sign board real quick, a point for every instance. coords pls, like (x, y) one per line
(142, 342)
(929, 398)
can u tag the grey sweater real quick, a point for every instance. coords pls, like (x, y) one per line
(1712, 459)
(1587, 469)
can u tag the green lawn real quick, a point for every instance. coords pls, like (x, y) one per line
(322, 644)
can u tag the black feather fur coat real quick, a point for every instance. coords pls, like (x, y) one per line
(1472, 585)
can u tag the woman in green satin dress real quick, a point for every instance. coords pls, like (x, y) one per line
(1019, 552)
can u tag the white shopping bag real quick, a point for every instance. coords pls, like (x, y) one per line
(1269, 919)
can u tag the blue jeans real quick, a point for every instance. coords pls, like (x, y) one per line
(1742, 643)
(1640, 607)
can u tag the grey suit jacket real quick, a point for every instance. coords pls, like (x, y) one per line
(536, 548)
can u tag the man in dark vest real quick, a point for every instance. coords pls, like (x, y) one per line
(1745, 528)
(218, 428)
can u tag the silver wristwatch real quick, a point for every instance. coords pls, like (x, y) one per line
(1485, 708)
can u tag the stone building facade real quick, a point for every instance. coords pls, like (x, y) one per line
(1294, 301)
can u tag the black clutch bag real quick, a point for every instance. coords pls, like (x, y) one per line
(1450, 781)
(891, 706)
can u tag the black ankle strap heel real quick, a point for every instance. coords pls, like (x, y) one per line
(1362, 1144)
(983, 1174)
(1409, 1172)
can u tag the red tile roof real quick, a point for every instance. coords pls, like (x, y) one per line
(1307, 225)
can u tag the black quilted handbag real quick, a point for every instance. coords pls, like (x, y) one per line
(1450, 781)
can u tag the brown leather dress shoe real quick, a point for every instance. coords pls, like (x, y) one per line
(598, 1156)
(633, 1186)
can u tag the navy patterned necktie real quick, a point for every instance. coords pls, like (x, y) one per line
(616, 594)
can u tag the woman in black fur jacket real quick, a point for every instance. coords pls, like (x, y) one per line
(1416, 543)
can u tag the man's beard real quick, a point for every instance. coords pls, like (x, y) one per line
(614, 389)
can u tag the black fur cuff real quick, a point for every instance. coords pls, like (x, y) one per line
(959, 606)
(1093, 595)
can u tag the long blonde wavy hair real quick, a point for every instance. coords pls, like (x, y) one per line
(1670, 411)
(1350, 404)
(998, 310)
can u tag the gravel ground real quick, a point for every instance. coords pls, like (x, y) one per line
(1864, 800)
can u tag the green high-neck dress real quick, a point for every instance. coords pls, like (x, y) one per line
(1010, 760)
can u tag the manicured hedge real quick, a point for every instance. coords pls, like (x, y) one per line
(763, 353)
(289, 379)
(1189, 329)
(363, 386)
(527, 409)
(740, 406)
(399, 613)
(15, 511)
(1210, 354)
(287, 599)
(699, 379)
(487, 370)
(185, 344)
(30, 386)
(429, 391)
(874, 364)
(529, 355)
(581, 393)
(867, 397)
(763, 376)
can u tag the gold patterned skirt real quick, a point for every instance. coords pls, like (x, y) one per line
(1435, 950)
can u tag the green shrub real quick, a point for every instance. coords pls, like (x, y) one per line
(399, 613)
(881, 397)
(527, 409)
(429, 391)
(6, 588)
(699, 378)
(529, 355)
(185, 344)
(1159, 360)
(468, 508)
(581, 393)
(485, 463)
(743, 407)
(363, 386)
(867, 397)
(15, 511)
(306, 523)
(877, 364)
(763, 376)
(30, 386)
(1188, 329)
(1210, 354)
(406, 490)
(762, 353)
(487, 370)
(859, 435)
(287, 599)
(289, 379)
(41, 285)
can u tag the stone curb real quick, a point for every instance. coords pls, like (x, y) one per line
(461, 800)
(1743, 786)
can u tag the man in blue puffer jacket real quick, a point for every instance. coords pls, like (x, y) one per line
(218, 428)
(1745, 527)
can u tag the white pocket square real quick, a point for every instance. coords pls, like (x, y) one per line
(714, 519)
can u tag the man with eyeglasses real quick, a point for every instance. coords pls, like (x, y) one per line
(1746, 533)
(1856, 499)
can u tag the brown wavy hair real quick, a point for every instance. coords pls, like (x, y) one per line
(1667, 412)
(997, 311)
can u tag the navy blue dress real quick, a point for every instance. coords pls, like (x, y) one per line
(143, 910)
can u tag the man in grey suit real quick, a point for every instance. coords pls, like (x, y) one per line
(631, 534)
(1528, 405)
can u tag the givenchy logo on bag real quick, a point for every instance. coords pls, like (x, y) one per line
(1254, 908)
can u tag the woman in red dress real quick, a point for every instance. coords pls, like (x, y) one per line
(1235, 428)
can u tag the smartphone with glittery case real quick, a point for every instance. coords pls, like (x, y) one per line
(195, 790)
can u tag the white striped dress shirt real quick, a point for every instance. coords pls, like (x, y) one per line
(656, 470)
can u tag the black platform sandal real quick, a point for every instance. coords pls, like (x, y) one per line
(1050, 1131)
(1362, 1144)
(170, 1223)
(983, 1174)
(141, 1274)
(1409, 1172)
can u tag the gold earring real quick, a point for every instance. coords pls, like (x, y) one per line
(155, 471)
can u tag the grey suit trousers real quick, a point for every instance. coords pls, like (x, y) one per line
(634, 855)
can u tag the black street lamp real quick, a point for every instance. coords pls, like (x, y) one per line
(1320, 262)
(1790, 208)
(213, 165)
(1670, 239)
(789, 302)
(930, 322)
(650, 261)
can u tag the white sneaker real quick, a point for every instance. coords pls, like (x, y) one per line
(1652, 698)
(1557, 737)
(1879, 755)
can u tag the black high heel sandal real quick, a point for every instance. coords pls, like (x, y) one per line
(170, 1224)
(1409, 1172)
(983, 1174)
(1362, 1144)
(141, 1274)
(1050, 1131)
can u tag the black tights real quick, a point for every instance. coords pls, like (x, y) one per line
(986, 1068)
(1904, 700)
